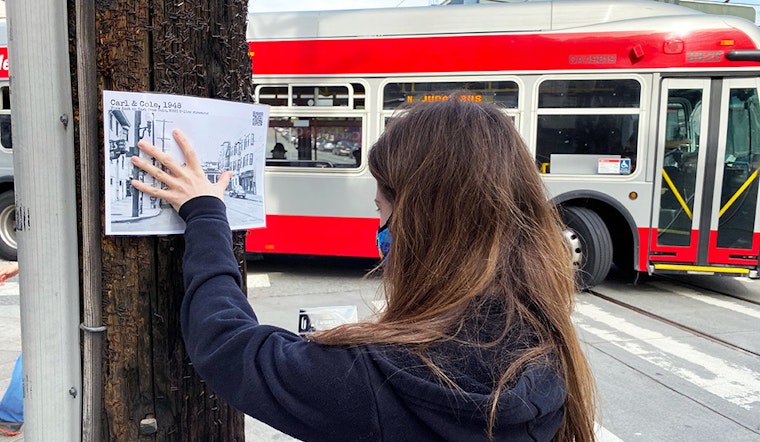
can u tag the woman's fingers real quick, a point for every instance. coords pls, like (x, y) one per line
(191, 158)
(162, 157)
(182, 182)
(151, 169)
(224, 181)
(173, 193)
(145, 188)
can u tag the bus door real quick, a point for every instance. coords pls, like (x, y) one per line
(705, 207)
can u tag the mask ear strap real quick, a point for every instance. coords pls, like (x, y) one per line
(386, 225)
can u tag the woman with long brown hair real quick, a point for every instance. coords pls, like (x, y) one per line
(475, 342)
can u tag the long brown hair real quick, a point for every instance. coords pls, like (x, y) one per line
(471, 218)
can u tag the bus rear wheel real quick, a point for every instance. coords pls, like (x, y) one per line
(8, 247)
(591, 245)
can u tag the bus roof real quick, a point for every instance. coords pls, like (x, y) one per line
(531, 36)
(529, 16)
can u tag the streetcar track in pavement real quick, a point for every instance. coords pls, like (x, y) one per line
(675, 324)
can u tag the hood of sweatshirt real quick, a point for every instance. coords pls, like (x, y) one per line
(530, 408)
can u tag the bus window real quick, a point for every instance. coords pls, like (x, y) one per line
(502, 92)
(589, 93)
(351, 96)
(742, 160)
(321, 96)
(272, 95)
(6, 97)
(5, 131)
(679, 171)
(581, 121)
(331, 139)
(317, 142)
(743, 125)
(5, 118)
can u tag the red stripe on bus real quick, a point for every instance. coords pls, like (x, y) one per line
(643, 249)
(4, 63)
(668, 253)
(355, 237)
(733, 256)
(315, 235)
(484, 53)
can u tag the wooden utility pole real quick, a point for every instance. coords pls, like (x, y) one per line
(149, 388)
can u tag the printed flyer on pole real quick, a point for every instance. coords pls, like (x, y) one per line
(226, 136)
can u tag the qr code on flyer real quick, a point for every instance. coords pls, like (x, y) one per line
(258, 119)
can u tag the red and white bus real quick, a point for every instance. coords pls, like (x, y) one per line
(643, 118)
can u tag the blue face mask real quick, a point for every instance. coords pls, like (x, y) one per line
(384, 240)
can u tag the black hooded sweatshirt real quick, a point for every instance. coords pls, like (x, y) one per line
(316, 392)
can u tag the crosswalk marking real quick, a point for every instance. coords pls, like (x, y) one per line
(605, 435)
(732, 382)
(257, 280)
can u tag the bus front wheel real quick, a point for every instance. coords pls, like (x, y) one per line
(8, 247)
(591, 245)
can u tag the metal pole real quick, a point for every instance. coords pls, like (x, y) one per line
(46, 218)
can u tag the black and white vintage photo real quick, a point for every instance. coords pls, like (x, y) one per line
(226, 135)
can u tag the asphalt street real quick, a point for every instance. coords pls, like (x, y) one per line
(674, 359)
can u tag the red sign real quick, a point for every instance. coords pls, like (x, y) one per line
(3, 62)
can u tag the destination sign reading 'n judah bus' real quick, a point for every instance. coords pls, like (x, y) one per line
(475, 98)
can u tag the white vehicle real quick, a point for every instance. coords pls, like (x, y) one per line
(643, 118)
(8, 245)
(236, 192)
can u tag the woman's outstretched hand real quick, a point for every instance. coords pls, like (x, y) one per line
(183, 182)
(8, 271)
